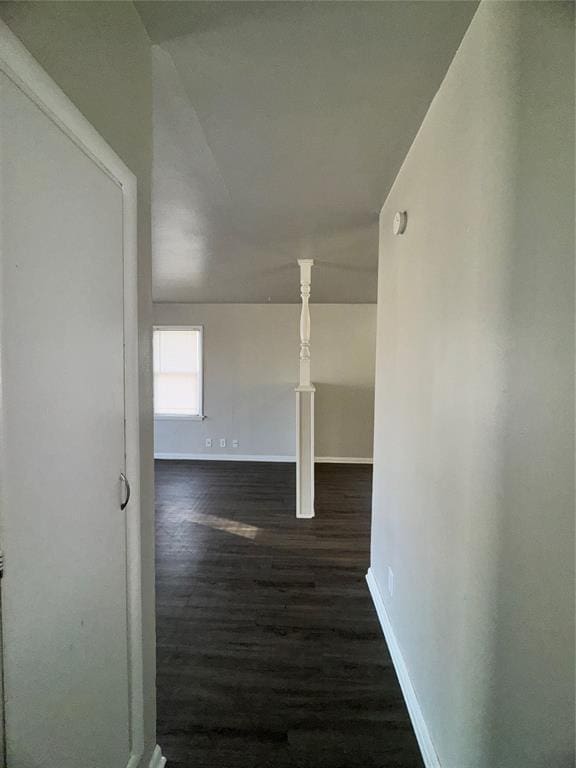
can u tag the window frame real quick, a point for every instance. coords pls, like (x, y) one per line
(185, 416)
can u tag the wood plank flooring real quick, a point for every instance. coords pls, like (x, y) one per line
(269, 650)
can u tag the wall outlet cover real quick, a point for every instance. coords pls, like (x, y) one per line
(208, 442)
(222, 442)
(235, 443)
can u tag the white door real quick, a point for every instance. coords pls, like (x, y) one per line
(64, 591)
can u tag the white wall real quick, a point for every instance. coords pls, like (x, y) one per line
(251, 369)
(100, 55)
(474, 436)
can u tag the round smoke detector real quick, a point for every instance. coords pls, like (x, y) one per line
(400, 221)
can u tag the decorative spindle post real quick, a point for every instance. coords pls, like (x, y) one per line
(305, 278)
(305, 405)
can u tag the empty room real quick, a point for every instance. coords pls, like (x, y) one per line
(287, 396)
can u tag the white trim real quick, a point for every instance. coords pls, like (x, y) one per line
(179, 417)
(19, 65)
(157, 760)
(223, 457)
(256, 457)
(423, 737)
(342, 460)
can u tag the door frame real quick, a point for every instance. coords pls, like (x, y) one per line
(19, 66)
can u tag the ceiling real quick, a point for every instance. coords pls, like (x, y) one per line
(279, 128)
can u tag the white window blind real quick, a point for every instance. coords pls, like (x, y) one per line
(178, 371)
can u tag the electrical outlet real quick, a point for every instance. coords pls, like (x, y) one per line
(208, 442)
(222, 442)
(390, 581)
(235, 443)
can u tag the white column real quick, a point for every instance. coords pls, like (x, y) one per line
(305, 405)
(305, 279)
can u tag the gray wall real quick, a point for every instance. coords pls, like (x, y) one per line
(251, 369)
(474, 424)
(100, 55)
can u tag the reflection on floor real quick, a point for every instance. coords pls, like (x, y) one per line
(269, 651)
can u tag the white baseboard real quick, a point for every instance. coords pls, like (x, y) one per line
(157, 760)
(255, 457)
(419, 724)
(222, 457)
(341, 460)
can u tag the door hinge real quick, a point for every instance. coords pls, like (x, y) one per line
(1, 563)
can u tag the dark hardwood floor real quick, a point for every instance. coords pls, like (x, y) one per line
(269, 650)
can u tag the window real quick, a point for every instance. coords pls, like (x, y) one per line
(178, 372)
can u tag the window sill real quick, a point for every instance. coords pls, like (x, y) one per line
(178, 417)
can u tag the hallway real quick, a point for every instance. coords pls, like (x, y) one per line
(269, 650)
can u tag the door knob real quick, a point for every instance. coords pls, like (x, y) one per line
(127, 486)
